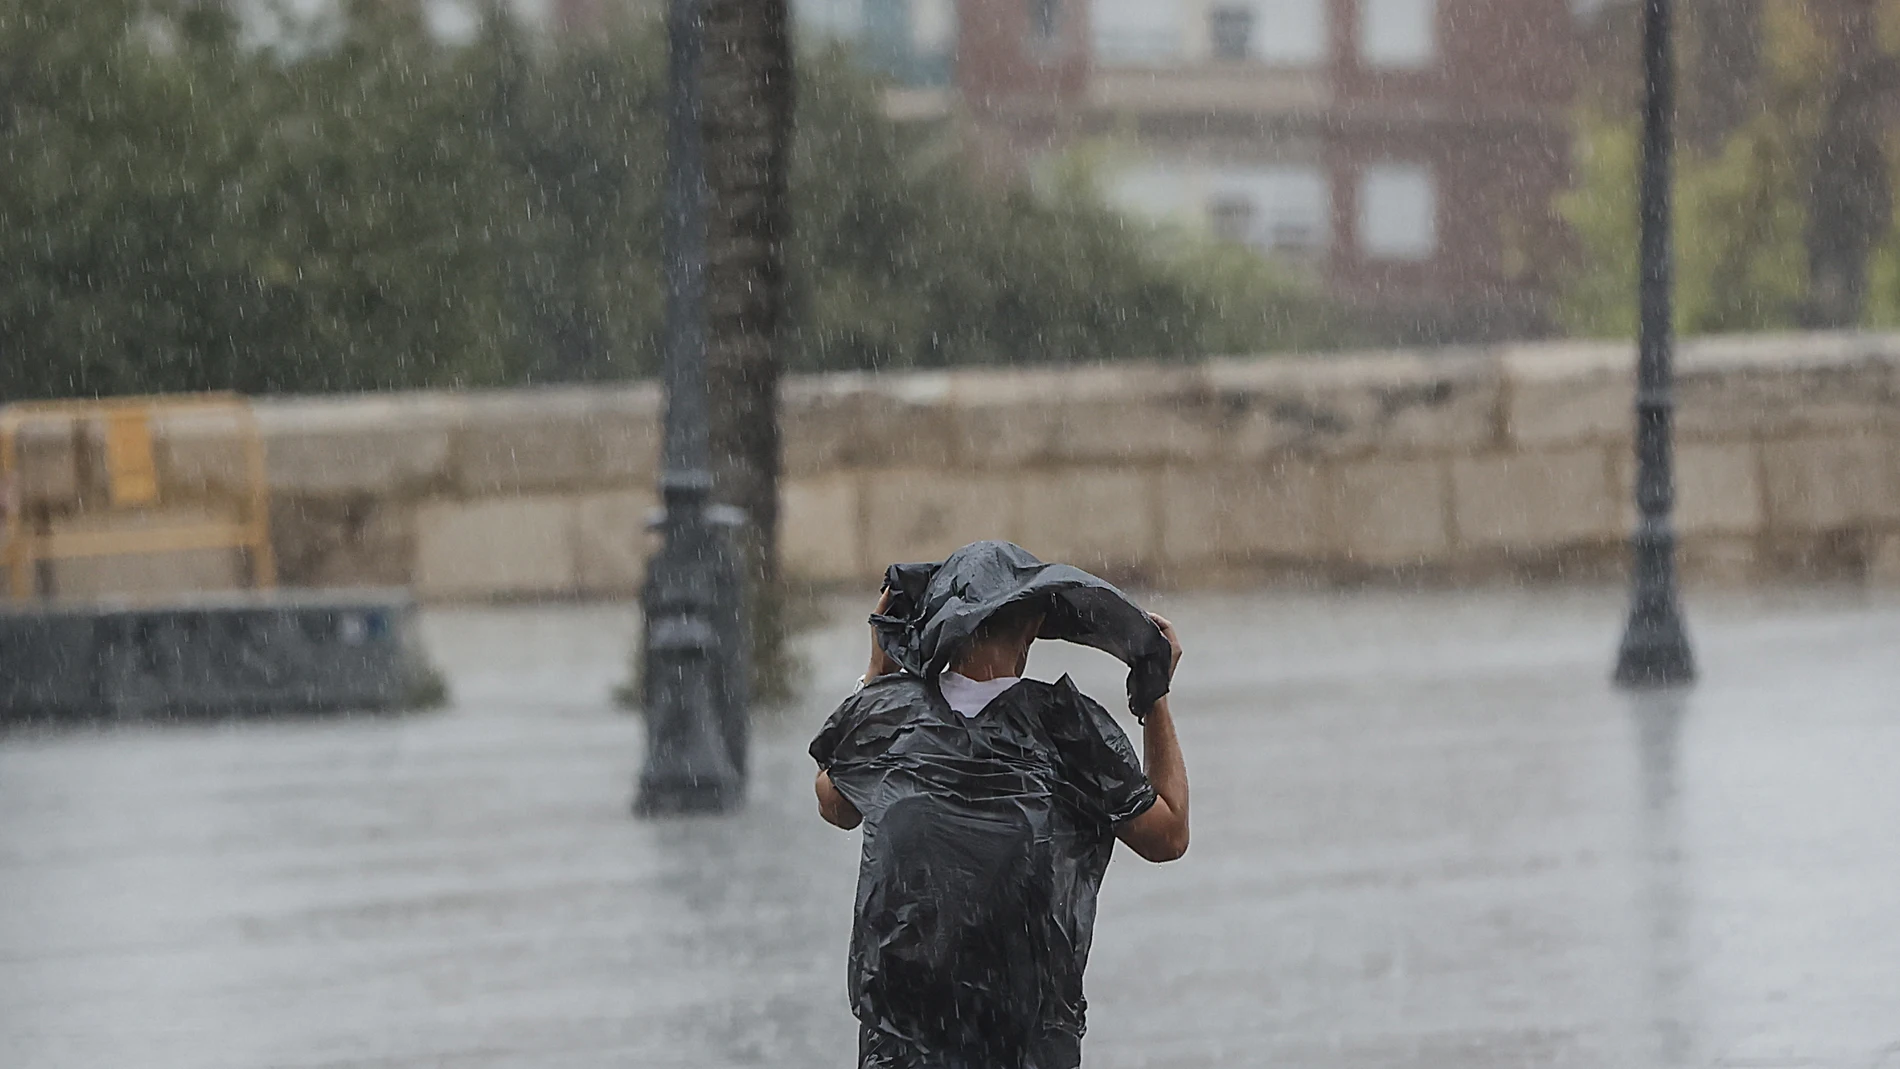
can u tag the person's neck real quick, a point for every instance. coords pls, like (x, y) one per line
(981, 666)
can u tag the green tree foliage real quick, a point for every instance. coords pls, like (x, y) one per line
(904, 262)
(1740, 264)
(367, 207)
(1742, 204)
(185, 214)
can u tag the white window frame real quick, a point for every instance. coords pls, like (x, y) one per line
(933, 26)
(1154, 37)
(1271, 19)
(1387, 46)
(1410, 234)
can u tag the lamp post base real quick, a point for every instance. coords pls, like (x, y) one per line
(1655, 650)
(693, 661)
(687, 797)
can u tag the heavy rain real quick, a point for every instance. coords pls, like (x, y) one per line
(457, 457)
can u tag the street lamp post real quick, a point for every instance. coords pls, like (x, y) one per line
(693, 655)
(1655, 647)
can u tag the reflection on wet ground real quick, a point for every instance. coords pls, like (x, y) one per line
(1427, 833)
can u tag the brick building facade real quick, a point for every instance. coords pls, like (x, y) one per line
(1407, 151)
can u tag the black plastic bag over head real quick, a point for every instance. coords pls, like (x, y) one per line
(936, 608)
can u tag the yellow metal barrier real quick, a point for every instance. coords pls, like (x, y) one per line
(132, 482)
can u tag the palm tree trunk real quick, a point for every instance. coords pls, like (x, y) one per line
(1726, 69)
(1850, 201)
(747, 130)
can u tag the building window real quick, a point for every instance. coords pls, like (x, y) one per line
(1155, 191)
(1230, 31)
(1284, 209)
(1398, 33)
(831, 19)
(1045, 22)
(1230, 218)
(1136, 31)
(933, 26)
(1292, 32)
(1398, 212)
(1279, 209)
(1295, 235)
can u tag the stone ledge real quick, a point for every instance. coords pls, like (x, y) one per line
(532, 440)
(509, 547)
(1337, 465)
(1784, 403)
(1727, 387)
(1358, 404)
(1883, 565)
(819, 528)
(362, 540)
(1569, 393)
(48, 456)
(385, 444)
(566, 438)
(1822, 483)
(1102, 518)
(1535, 501)
(850, 424)
(1718, 488)
(1389, 513)
(612, 542)
(202, 454)
(1242, 513)
(922, 514)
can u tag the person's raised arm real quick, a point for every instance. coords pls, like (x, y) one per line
(832, 804)
(1161, 832)
(881, 663)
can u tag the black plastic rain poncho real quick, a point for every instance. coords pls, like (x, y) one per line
(985, 838)
(935, 608)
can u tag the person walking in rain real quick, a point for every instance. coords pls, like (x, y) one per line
(990, 805)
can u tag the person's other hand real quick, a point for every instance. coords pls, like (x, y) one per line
(1174, 641)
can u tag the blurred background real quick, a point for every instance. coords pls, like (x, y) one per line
(353, 388)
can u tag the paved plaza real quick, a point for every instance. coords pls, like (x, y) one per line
(1426, 833)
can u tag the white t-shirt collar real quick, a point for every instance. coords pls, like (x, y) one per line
(971, 696)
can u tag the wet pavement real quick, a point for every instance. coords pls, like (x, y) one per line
(1427, 833)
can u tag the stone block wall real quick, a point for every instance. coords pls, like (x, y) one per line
(1451, 465)
(512, 494)
(1460, 465)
